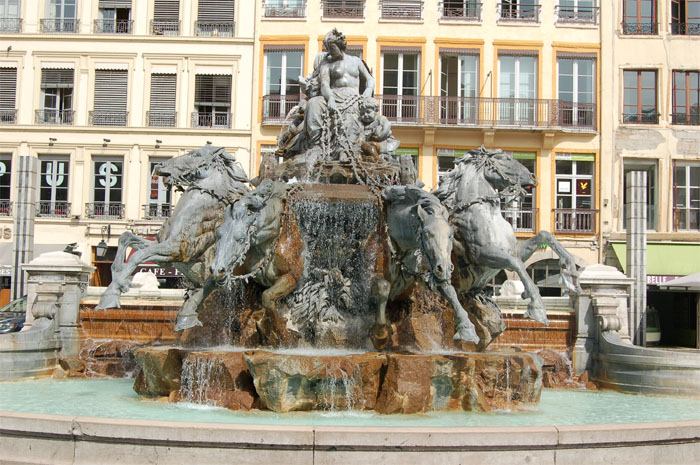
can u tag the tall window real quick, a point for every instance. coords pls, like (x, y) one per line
(461, 9)
(574, 180)
(282, 69)
(53, 187)
(9, 16)
(8, 91)
(107, 190)
(459, 87)
(400, 85)
(60, 16)
(639, 17)
(5, 178)
(212, 101)
(686, 97)
(115, 17)
(685, 17)
(517, 89)
(686, 186)
(159, 195)
(166, 18)
(56, 97)
(520, 212)
(577, 11)
(215, 18)
(576, 91)
(110, 97)
(652, 210)
(522, 10)
(162, 111)
(640, 97)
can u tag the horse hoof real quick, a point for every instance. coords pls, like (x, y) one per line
(539, 314)
(466, 333)
(186, 322)
(380, 335)
(108, 301)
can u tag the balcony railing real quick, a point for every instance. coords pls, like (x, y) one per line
(343, 9)
(692, 119)
(685, 29)
(104, 210)
(161, 27)
(54, 117)
(398, 9)
(577, 115)
(214, 28)
(641, 118)
(574, 221)
(640, 28)
(461, 11)
(113, 26)
(10, 25)
(211, 120)
(519, 13)
(161, 119)
(686, 219)
(51, 209)
(486, 111)
(5, 208)
(577, 15)
(59, 26)
(154, 211)
(521, 219)
(276, 107)
(108, 118)
(8, 116)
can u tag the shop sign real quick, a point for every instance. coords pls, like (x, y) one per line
(5, 270)
(656, 279)
(169, 272)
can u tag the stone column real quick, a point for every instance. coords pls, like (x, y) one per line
(25, 214)
(636, 224)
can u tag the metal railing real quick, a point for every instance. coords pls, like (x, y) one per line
(113, 26)
(52, 209)
(463, 11)
(577, 115)
(342, 9)
(211, 120)
(54, 117)
(640, 118)
(214, 28)
(686, 29)
(521, 219)
(574, 220)
(487, 111)
(162, 27)
(401, 9)
(5, 208)
(108, 118)
(154, 211)
(8, 116)
(577, 15)
(518, 12)
(10, 25)
(640, 28)
(691, 119)
(278, 9)
(686, 219)
(106, 210)
(161, 119)
(59, 26)
(276, 107)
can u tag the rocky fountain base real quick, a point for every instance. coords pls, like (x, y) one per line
(383, 382)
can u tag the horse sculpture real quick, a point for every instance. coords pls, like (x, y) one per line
(212, 179)
(486, 243)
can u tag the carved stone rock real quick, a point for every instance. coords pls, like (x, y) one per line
(160, 370)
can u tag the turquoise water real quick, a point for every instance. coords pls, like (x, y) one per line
(114, 398)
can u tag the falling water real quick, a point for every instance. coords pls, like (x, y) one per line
(196, 377)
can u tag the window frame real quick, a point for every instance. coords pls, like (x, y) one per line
(107, 187)
(5, 176)
(640, 26)
(652, 169)
(639, 89)
(688, 188)
(52, 201)
(689, 117)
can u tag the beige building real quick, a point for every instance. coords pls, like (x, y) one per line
(102, 90)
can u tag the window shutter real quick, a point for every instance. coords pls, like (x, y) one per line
(8, 88)
(163, 91)
(56, 78)
(166, 10)
(212, 89)
(110, 90)
(115, 3)
(215, 10)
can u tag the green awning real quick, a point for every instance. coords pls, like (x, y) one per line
(665, 259)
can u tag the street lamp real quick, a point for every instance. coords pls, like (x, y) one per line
(101, 249)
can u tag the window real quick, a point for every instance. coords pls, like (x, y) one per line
(577, 11)
(282, 69)
(286, 8)
(461, 9)
(115, 17)
(343, 8)
(159, 195)
(520, 212)
(212, 101)
(107, 189)
(60, 17)
(401, 9)
(685, 17)
(56, 97)
(5, 177)
(9, 16)
(546, 274)
(686, 97)
(576, 91)
(446, 160)
(162, 111)
(574, 193)
(400, 85)
(519, 10)
(517, 89)
(640, 97)
(214, 18)
(8, 91)
(639, 17)
(166, 18)
(652, 210)
(53, 187)
(110, 98)
(459, 87)
(686, 187)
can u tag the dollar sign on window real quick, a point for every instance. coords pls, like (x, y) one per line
(103, 173)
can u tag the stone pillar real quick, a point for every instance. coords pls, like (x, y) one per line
(636, 223)
(25, 214)
(57, 281)
(601, 306)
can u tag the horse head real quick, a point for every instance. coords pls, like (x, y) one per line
(504, 172)
(436, 237)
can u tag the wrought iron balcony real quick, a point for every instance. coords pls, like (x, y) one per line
(276, 107)
(5, 208)
(59, 26)
(52, 209)
(460, 10)
(691, 119)
(686, 218)
(686, 29)
(54, 117)
(647, 28)
(113, 26)
(343, 9)
(577, 115)
(104, 210)
(401, 9)
(574, 220)
(577, 14)
(10, 25)
(108, 118)
(219, 120)
(8, 116)
(162, 119)
(214, 28)
(641, 118)
(521, 219)
(161, 27)
(280, 9)
(154, 211)
(518, 12)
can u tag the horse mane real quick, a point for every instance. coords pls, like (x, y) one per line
(472, 162)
